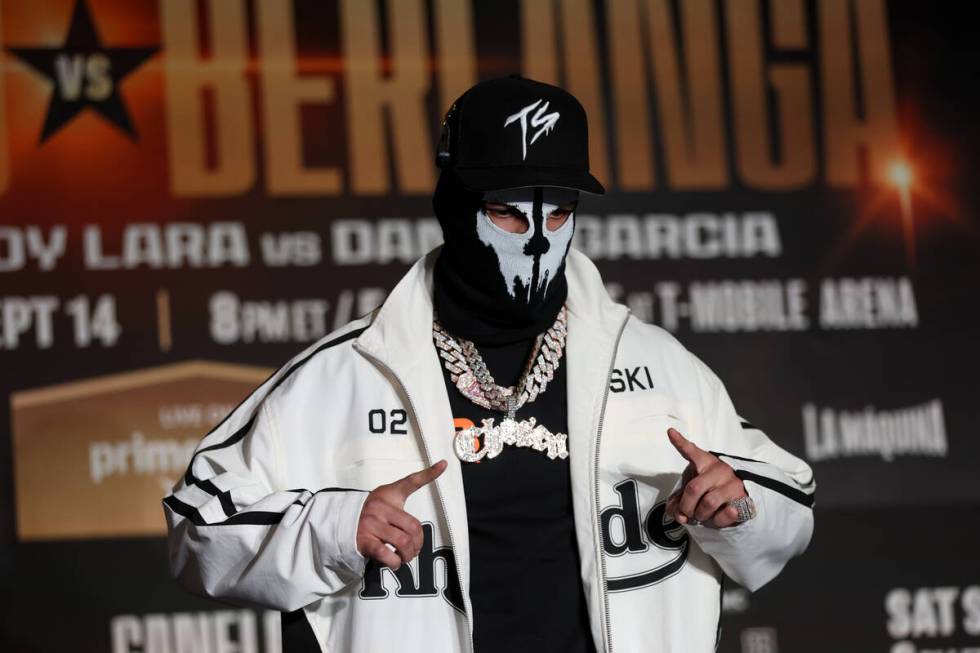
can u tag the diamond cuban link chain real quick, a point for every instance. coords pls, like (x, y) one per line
(472, 378)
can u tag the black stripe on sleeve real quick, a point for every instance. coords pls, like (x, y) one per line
(748, 460)
(209, 487)
(235, 437)
(194, 516)
(261, 518)
(776, 486)
(258, 518)
(238, 435)
(328, 489)
(184, 510)
(350, 335)
(224, 497)
(805, 485)
(303, 501)
(227, 504)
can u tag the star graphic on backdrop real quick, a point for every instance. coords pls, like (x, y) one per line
(85, 74)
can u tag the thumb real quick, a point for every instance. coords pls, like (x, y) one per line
(404, 487)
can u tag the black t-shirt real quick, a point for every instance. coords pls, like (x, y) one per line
(525, 585)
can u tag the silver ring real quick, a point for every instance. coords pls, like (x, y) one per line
(745, 507)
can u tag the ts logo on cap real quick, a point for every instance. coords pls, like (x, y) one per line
(545, 122)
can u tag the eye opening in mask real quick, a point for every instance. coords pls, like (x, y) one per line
(511, 219)
(507, 217)
(559, 216)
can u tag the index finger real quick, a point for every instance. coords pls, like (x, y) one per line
(685, 447)
(405, 486)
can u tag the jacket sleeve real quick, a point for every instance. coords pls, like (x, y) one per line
(781, 485)
(235, 534)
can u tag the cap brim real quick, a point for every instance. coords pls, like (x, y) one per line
(524, 177)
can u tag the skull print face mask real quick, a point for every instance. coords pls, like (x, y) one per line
(500, 276)
(528, 260)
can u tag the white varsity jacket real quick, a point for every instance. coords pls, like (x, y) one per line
(267, 512)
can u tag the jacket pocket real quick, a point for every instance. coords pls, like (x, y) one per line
(365, 463)
(634, 441)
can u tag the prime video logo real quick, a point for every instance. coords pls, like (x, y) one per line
(140, 456)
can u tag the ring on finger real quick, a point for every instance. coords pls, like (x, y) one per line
(745, 507)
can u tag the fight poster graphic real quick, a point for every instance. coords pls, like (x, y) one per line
(194, 191)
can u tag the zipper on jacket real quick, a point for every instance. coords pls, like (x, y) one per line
(598, 509)
(428, 456)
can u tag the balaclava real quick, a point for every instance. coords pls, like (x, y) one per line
(493, 286)
(523, 143)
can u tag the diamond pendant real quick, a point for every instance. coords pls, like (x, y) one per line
(487, 440)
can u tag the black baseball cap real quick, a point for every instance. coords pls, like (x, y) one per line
(515, 132)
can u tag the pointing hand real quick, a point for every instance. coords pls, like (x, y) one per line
(707, 486)
(383, 520)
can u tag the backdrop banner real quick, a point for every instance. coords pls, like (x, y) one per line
(192, 191)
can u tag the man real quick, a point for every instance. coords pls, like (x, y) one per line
(500, 457)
